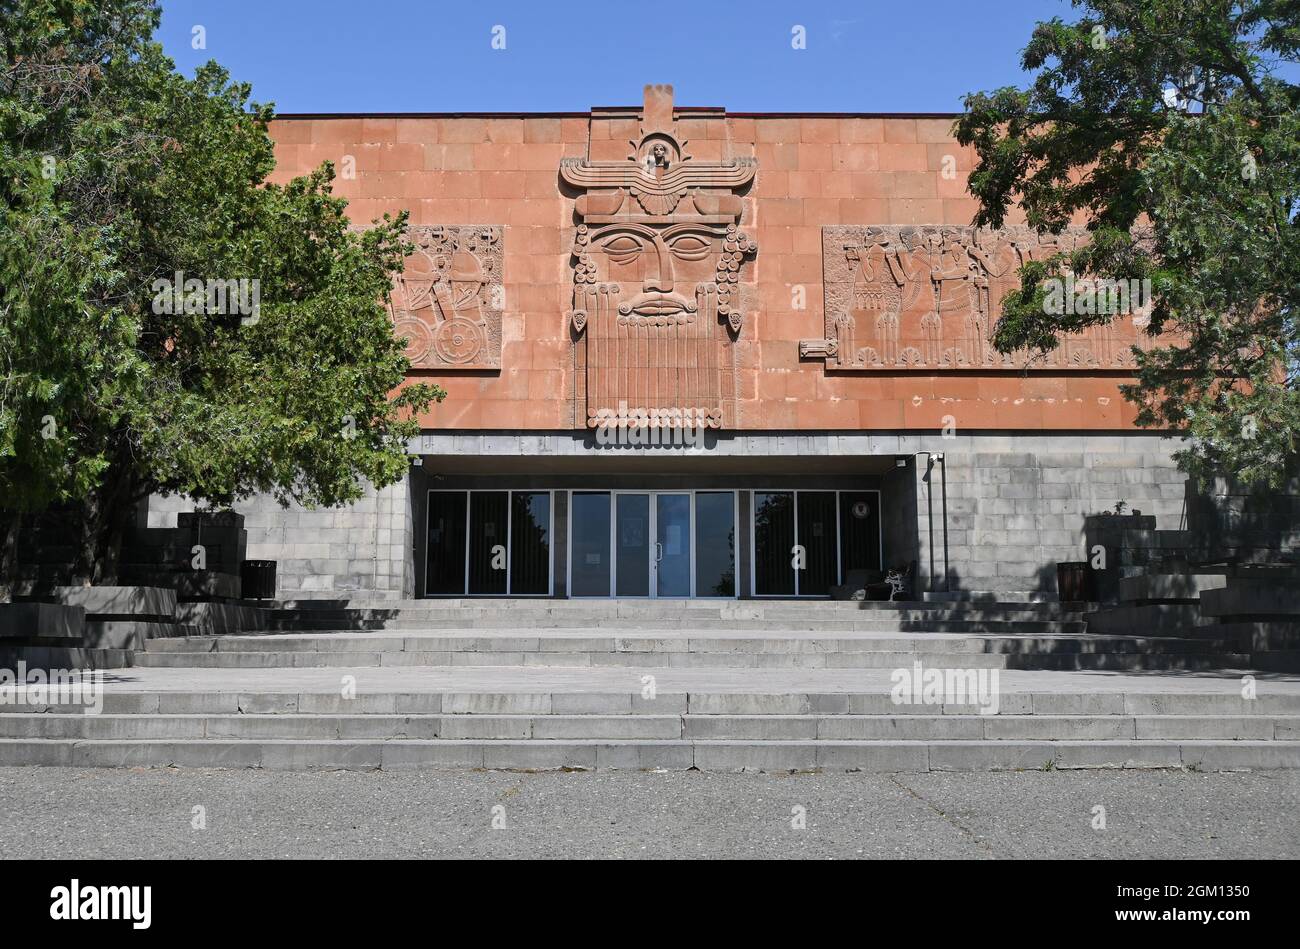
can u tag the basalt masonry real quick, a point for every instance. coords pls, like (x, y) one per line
(803, 293)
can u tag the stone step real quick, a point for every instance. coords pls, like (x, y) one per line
(618, 727)
(1257, 636)
(740, 619)
(210, 617)
(650, 659)
(693, 648)
(1247, 599)
(126, 634)
(987, 596)
(1240, 663)
(974, 627)
(1152, 619)
(649, 607)
(681, 641)
(64, 657)
(700, 607)
(629, 701)
(1170, 587)
(1277, 660)
(674, 754)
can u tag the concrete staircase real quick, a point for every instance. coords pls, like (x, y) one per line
(1012, 634)
(785, 615)
(720, 730)
(771, 685)
(677, 648)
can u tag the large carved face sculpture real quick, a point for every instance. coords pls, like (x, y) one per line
(661, 274)
(658, 270)
(656, 280)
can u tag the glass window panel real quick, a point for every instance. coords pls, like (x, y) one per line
(673, 545)
(773, 543)
(715, 543)
(859, 531)
(488, 541)
(817, 536)
(632, 535)
(530, 542)
(589, 517)
(444, 573)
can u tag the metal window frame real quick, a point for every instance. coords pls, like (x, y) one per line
(653, 528)
(509, 492)
(839, 549)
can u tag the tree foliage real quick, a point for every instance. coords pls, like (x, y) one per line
(1171, 129)
(119, 176)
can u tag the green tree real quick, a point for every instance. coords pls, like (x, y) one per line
(1168, 126)
(123, 179)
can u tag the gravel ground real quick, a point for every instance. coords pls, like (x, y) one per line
(105, 813)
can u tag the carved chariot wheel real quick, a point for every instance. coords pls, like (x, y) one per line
(419, 338)
(458, 341)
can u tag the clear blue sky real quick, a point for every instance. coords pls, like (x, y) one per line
(437, 56)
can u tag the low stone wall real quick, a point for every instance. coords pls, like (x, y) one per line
(52, 636)
(362, 547)
(1244, 523)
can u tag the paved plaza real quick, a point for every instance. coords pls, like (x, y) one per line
(113, 813)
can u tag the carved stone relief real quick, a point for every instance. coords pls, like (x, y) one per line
(448, 301)
(658, 294)
(928, 297)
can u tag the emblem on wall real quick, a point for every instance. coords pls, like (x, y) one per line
(658, 294)
(929, 297)
(448, 301)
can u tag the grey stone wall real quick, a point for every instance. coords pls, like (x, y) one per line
(364, 547)
(1250, 523)
(1016, 504)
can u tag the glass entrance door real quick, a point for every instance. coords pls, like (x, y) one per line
(672, 567)
(677, 544)
(652, 544)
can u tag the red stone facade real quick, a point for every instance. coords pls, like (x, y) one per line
(770, 221)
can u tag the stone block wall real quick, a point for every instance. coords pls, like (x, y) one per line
(1016, 504)
(364, 547)
(1243, 522)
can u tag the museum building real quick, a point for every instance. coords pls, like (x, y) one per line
(693, 353)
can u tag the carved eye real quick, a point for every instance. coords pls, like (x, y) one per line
(690, 247)
(623, 249)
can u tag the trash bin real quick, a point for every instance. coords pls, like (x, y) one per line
(257, 579)
(1075, 582)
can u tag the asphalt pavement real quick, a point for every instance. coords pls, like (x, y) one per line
(214, 814)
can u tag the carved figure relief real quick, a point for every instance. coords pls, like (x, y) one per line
(929, 297)
(448, 301)
(658, 297)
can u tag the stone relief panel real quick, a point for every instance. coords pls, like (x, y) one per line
(658, 293)
(928, 297)
(449, 300)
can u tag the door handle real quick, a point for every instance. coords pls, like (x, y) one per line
(659, 552)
